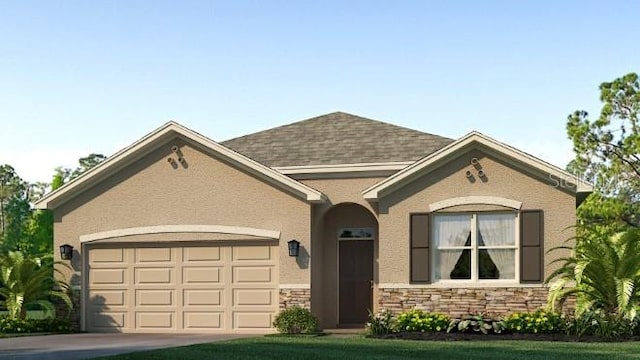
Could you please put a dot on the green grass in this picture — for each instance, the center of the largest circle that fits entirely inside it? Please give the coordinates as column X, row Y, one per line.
column 332, row 347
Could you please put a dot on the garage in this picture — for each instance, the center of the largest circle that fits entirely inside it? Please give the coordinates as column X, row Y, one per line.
column 204, row 287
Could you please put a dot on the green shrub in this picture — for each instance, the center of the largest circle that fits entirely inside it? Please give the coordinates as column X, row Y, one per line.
column 418, row 320
column 296, row 320
column 25, row 326
column 476, row 323
column 536, row 322
column 380, row 323
column 597, row 323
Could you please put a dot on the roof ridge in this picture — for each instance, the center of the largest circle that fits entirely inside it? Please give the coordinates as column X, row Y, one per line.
column 328, row 115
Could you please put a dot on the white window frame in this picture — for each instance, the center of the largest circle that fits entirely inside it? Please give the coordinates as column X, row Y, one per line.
column 474, row 251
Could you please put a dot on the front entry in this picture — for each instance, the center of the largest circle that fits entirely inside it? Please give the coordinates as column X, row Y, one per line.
column 355, row 281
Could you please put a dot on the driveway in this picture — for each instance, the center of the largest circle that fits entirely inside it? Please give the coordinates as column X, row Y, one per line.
column 85, row 346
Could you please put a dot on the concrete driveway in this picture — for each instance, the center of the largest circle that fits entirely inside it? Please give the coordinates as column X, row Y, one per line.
column 86, row 346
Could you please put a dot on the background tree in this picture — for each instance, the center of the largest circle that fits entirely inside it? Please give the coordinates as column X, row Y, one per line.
column 14, row 207
column 608, row 154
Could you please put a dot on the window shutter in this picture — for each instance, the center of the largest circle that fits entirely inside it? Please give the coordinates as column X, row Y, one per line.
column 420, row 266
column 531, row 246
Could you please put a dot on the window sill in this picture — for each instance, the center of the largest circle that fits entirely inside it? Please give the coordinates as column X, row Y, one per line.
column 460, row 285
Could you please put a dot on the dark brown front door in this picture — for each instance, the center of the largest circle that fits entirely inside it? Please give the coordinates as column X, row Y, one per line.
column 355, row 279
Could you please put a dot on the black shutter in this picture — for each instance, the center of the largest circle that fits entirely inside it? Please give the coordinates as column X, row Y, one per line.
column 531, row 246
column 420, row 266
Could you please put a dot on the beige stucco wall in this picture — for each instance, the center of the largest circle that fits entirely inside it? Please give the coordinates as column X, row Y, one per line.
column 207, row 192
column 502, row 180
column 325, row 224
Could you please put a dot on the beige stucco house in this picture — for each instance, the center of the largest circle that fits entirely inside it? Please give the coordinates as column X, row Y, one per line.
column 179, row 233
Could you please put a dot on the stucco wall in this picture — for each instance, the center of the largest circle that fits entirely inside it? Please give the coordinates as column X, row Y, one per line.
column 207, row 191
column 502, row 180
column 324, row 292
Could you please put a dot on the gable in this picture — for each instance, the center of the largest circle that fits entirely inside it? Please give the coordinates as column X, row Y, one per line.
column 516, row 159
column 151, row 142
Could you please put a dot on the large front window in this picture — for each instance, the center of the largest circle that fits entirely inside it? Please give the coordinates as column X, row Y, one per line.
column 473, row 247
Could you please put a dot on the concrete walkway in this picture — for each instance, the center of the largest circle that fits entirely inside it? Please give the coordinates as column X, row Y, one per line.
column 86, row 346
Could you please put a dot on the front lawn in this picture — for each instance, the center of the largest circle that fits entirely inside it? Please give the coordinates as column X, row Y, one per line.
column 335, row 347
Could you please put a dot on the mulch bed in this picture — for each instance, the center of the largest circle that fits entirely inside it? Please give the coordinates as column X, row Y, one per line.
column 443, row 336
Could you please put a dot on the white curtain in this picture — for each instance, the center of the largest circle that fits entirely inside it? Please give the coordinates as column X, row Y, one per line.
column 450, row 231
column 499, row 230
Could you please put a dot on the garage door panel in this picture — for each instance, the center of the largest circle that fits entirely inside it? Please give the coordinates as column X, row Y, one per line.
column 253, row 274
column 252, row 320
column 107, row 320
column 200, row 254
column 202, row 275
column 203, row 297
column 253, row 297
column 153, row 255
column 107, row 298
column 107, row 255
column 244, row 253
column 203, row 320
column 108, row 276
column 153, row 275
column 176, row 287
column 155, row 297
column 155, row 320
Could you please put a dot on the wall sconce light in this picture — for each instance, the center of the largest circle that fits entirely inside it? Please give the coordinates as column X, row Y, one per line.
column 66, row 252
column 294, row 247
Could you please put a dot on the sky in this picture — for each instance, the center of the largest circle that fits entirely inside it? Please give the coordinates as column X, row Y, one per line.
column 80, row 77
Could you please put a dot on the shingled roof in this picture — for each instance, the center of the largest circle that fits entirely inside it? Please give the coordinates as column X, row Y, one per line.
column 336, row 138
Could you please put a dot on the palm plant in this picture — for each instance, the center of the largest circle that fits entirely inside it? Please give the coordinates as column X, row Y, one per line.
column 603, row 274
column 26, row 281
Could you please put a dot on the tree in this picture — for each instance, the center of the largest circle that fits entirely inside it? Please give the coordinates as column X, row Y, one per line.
column 608, row 154
column 14, row 207
column 28, row 281
column 86, row 163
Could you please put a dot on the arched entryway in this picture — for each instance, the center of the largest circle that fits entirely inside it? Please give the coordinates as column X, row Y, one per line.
column 349, row 242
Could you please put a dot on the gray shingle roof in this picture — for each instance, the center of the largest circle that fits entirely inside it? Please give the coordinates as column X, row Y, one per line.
column 336, row 138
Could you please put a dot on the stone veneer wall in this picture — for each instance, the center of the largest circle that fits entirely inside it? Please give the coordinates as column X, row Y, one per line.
column 293, row 297
column 459, row 302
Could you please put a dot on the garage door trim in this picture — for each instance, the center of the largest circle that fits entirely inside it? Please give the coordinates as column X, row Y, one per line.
column 170, row 229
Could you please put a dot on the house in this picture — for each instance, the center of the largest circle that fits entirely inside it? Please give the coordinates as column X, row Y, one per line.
column 179, row 233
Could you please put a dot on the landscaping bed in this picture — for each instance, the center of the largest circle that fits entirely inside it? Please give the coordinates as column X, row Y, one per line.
column 457, row 336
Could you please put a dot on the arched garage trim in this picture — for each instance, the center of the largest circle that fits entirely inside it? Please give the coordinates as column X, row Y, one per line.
column 168, row 229
column 473, row 200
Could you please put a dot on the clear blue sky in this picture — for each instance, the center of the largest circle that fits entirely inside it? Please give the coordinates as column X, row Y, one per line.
column 93, row 76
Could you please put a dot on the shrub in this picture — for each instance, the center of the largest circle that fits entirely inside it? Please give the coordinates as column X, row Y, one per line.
column 536, row 322
column 380, row 323
column 23, row 326
column 598, row 323
column 296, row 320
column 476, row 323
column 418, row 320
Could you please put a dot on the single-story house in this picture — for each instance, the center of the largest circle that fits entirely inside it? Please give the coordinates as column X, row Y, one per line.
column 179, row 233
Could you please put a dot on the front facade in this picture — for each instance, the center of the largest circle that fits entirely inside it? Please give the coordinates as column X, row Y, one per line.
column 178, row 233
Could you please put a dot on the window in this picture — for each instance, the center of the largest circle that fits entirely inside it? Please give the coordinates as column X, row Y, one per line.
column 475, row 247
column 356, row 234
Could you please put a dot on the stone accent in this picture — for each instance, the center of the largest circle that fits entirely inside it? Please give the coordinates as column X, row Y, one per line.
column 63, row 312
column 459, row 302
column 295, row 297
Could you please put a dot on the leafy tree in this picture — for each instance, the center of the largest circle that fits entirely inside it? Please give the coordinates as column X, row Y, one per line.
column 14, row 207
column 608, row 154
column 86, row 163
column 603, row 273
column 28, row 281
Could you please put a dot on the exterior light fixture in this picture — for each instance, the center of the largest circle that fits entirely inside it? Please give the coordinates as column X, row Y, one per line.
column 66, row 252
column 294, row 247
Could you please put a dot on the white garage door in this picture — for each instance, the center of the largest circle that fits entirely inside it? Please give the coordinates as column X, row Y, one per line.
column 178, row 287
